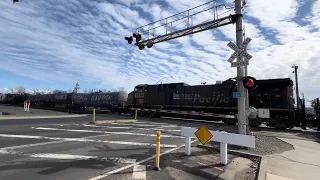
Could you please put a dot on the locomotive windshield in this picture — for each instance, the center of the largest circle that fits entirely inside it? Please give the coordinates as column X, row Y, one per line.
column 140, row 88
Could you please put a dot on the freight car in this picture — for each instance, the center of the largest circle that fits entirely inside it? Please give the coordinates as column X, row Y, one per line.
column 215, row 102
column 113, row 101
column 7, row 98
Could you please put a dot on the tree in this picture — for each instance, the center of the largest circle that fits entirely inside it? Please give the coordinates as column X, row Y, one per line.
column 21, row 90
column 35, row 91
column 76, row 88
column 85, row 90
column 56, row 91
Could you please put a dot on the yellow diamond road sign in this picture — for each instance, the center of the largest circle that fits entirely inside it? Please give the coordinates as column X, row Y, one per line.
column 203, row 134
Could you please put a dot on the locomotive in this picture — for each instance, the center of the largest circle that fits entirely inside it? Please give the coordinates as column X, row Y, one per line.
column 216, row 102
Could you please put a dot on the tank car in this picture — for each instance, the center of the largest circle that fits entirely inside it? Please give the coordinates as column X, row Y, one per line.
column 62, row 100
column 35, row 99
column 79, row 100
column 114, row 101
column 7, row 98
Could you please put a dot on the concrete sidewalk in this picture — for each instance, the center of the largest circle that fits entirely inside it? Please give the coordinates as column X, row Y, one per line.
column 299, row 164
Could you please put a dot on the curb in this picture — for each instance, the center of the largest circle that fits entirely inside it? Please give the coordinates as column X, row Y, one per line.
column 261, row 173
column 41, row 117
column 111, row 121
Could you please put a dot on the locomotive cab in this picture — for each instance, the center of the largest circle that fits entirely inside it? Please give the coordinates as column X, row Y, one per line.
column 139, row 94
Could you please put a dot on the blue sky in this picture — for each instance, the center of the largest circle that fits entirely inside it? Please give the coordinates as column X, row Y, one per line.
column 53, row 44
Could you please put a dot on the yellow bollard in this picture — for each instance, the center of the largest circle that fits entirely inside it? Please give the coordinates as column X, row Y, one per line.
column 157, row 168
column 94, row 115
column 135, row 114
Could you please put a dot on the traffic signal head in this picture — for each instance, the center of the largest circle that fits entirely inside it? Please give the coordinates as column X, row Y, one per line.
column 141, row 47
column 129, row 39
column 149, row 44
column 249, row 83
column 137, row 36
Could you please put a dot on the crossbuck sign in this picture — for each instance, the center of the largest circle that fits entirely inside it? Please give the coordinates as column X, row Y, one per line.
column 239, row 52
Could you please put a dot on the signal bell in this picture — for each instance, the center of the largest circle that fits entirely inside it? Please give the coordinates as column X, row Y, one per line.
column 249, row 83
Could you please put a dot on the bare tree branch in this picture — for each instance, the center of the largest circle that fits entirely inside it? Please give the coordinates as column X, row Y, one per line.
column 76, row 88
column 20, row 90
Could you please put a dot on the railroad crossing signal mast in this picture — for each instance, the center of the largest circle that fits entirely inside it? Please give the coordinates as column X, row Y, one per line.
column 145, row 36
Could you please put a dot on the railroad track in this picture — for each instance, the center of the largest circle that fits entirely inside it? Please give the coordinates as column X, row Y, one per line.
column 89, row 110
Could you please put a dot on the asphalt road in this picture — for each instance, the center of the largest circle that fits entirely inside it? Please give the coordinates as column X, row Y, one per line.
column 67, row 148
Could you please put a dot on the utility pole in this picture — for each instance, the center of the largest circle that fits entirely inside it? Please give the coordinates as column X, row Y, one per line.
column 297, row 88
column 240, row 73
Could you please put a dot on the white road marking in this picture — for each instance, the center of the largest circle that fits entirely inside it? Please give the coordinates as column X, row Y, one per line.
column 142, row 125
column 197, row 120
column 106, row 132
column 30, row 145
column 146, row 122
column 71, row 130
column 173, row 130
column 53, row 142
column 83, row 140
column 71, row 157
column 137, row 163
column 139, row 172
column 114, row 127
column 42, row 117
column 127, row 127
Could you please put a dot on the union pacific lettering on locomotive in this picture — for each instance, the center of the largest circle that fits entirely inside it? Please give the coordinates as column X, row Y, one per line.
column 210, row 102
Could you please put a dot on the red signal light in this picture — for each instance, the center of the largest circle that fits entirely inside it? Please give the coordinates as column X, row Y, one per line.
column 249, row 83
column 137, row 36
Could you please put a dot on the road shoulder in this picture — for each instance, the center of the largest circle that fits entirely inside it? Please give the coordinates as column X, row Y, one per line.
column 298, row 164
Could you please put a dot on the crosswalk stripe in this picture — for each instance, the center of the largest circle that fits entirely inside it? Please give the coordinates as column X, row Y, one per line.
column 106, row 132
column 70, row 157
column 84, row 140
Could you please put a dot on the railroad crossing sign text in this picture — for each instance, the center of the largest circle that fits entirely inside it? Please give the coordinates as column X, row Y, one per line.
column 239, row 52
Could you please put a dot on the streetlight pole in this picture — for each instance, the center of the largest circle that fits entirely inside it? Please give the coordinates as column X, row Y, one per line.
column 297, row 87
column 240, row 72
